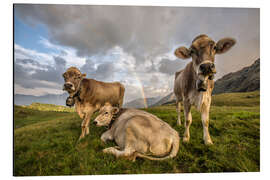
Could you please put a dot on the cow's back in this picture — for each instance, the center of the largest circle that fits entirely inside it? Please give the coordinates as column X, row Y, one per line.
column 97, row 92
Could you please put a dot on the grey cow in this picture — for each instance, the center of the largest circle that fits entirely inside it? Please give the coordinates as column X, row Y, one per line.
column 194, row 84
column 137, row 134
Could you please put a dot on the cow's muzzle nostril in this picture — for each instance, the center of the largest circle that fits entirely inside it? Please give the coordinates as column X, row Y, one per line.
column 95, row 122
column 202, row 67
column 68, row 85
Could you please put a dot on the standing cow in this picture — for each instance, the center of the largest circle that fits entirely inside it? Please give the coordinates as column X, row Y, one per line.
column 89, row 95
column 194, row 84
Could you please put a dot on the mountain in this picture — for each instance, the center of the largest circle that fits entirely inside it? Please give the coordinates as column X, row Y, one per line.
column 139, row 103
column 167, row 99
column 244, row 80
column 20, row 99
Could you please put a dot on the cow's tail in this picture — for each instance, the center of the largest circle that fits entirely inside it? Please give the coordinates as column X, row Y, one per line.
column 121, row 95
column 177, row 74
column 173, row 152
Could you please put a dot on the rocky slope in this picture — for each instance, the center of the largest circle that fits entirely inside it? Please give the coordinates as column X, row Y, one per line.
column 244, row 80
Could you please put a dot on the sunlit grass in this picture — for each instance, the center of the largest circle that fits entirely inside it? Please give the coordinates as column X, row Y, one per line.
column 46, row 142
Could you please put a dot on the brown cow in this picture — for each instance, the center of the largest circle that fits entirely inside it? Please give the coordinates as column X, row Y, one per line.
column 194, row 84
column 89, row 95
column 137, row 134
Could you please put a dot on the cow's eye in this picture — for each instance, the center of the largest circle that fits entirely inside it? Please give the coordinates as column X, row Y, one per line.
column 192, row 51
column 215, row 48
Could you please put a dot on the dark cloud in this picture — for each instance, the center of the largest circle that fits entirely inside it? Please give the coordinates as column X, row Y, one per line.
column 53, row 73
column 144, row 31
column 102, row 72
column 171, row 66
column 30, row 73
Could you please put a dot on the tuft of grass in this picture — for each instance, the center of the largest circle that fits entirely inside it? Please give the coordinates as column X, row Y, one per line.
column 46, row 143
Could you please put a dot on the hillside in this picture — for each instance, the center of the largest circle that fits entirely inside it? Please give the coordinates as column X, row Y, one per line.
column 244, row 80
column 139, row 103
column 167, row 99
column 45, row 142
column 20, row 99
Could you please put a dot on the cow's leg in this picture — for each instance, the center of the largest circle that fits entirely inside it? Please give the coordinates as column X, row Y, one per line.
column 205, row 123
column 178, row 109
column 106, row 136
column 127, row 152
column 188, row 121
column 85, row 123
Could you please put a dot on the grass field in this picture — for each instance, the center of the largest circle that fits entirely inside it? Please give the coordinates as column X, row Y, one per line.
column 45, row 141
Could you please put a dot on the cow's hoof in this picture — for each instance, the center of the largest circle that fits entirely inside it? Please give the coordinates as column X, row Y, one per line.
column 108, row 150
column 81, row 137
column 185, row 139
column 208, row 142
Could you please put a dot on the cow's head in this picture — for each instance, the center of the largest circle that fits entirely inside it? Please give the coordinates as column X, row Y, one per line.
column 202, row 51
column 106, row 114
column 72, row 77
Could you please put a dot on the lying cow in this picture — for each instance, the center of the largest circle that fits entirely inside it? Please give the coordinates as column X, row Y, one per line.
column 194, row 84
column 137, row 134
column 89, row 95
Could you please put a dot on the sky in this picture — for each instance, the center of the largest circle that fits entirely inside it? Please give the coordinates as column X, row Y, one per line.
column 130, row 44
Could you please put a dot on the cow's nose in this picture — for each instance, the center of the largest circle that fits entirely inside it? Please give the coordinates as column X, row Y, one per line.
column 67, row 85
column 207, row 68
column 203, row 67
column 95, row 122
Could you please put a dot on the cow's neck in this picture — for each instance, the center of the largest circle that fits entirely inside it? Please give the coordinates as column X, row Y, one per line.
column 115, row 118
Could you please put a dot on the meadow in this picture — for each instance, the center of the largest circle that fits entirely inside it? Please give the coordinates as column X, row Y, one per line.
column 45, row 141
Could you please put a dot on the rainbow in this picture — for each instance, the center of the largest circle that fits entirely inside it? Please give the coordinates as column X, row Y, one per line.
column 141, row 89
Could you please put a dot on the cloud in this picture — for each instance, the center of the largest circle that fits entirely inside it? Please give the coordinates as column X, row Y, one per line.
column 170, row 67
column 23, row 53
column 130, row 43
column 38, row 91
column 100, row 72
column 31, row 74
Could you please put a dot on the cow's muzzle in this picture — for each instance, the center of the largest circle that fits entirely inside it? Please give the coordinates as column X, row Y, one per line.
column 201, row 85
column 207, row 68
column 69, row 86
column 95, row 123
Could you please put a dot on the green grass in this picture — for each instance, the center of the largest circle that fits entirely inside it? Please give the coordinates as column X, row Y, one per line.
column 46, row 142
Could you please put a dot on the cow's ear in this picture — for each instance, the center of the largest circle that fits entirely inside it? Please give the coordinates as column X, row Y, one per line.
column 115, row 110
column 224, row 45
column 83, row 75
column 182, row 52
